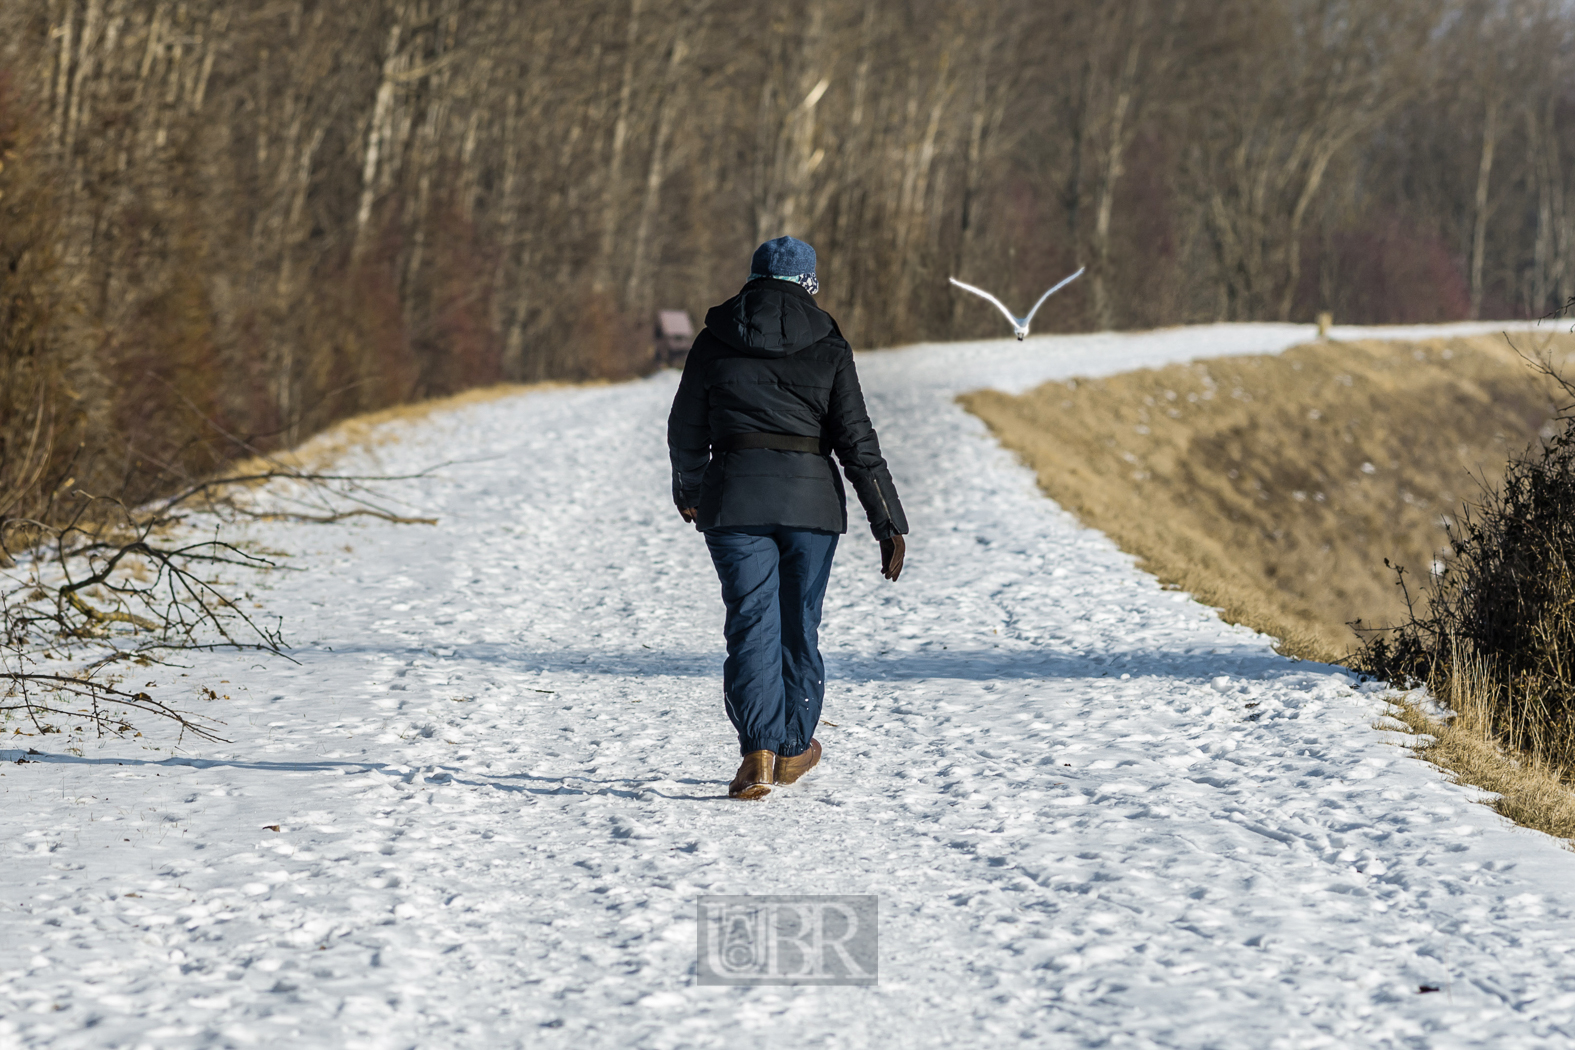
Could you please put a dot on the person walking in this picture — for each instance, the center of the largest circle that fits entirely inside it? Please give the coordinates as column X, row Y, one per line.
column 768, row 393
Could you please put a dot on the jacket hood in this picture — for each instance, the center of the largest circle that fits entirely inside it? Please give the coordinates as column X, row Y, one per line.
column 770, row 318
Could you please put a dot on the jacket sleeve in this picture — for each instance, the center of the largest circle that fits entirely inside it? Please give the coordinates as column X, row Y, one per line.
column 689, row 431
column 853, row 438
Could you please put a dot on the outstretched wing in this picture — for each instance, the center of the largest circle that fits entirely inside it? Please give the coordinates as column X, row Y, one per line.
column 981, row 293
column 1051, row 292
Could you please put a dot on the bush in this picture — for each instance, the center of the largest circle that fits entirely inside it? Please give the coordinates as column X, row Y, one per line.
column 1494, row 634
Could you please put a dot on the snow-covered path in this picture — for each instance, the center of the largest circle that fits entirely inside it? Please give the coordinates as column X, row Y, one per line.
column 1094, row 814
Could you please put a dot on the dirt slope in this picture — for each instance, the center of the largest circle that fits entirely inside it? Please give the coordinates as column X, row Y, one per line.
column 1275, row 486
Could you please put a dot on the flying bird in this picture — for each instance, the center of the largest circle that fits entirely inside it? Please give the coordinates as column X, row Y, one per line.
column 1019, row 324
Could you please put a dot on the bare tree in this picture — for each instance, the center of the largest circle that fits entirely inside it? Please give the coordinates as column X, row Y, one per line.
column 274, row 215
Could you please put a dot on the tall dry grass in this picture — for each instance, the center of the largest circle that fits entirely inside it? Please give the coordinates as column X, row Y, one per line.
column 1275, row 487
column 371, row 429
column 1495, row 633
column 39, row 386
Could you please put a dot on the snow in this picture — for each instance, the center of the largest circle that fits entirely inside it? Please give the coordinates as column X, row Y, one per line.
column 1094, row 814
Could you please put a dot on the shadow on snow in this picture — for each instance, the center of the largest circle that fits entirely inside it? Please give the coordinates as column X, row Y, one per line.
column 436, row 775
column 1008, row 661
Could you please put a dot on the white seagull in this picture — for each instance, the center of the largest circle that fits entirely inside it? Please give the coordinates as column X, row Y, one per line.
column 1019, row 324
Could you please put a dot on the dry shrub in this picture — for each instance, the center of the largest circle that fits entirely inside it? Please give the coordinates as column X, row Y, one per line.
column 1495, row 632
column 49, row 388
column 358, row 357
column 1275, row 487
column 116, row 390
column 164, row 369
column 459, row 345
column 1395, row 274
column 607, row 342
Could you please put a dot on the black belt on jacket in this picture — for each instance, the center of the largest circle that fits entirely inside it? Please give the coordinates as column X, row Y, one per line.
column 777, row 442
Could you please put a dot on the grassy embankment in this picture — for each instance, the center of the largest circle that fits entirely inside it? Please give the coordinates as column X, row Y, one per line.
column 1275, row 487
column 320, row 451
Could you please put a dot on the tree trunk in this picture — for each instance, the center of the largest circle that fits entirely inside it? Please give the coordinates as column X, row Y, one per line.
column 612, row 191
column 1110, row 174
column 1293, row 247
column 656, row 173
column 1479, row 230
column 378, row 132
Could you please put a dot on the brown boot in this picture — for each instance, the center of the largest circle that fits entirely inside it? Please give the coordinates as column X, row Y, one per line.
column 753, row 779
column 790, row 768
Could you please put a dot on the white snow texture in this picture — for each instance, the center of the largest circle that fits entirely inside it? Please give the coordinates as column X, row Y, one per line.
column 1094, row 814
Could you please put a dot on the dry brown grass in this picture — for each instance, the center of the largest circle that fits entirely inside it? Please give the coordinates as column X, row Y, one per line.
column 321, row 450
column 1274, row 487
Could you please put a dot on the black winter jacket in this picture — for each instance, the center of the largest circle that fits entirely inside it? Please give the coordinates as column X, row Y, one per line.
column 770, row 361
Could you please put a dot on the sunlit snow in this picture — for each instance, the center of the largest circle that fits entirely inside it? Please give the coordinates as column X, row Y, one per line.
column 1094, row 814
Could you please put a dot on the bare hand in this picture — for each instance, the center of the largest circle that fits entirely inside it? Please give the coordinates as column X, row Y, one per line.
column 689, row 513
column 891, row 552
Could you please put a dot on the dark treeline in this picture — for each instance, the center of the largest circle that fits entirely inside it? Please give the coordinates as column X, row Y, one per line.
column 225, row 223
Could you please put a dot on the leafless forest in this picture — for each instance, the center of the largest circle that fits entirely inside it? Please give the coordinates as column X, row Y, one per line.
column 226, row 223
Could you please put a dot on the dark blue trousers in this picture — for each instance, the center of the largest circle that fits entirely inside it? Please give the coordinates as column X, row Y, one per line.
column 774, row 681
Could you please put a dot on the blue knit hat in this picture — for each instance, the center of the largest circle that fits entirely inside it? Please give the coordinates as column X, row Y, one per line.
column 786, row 259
